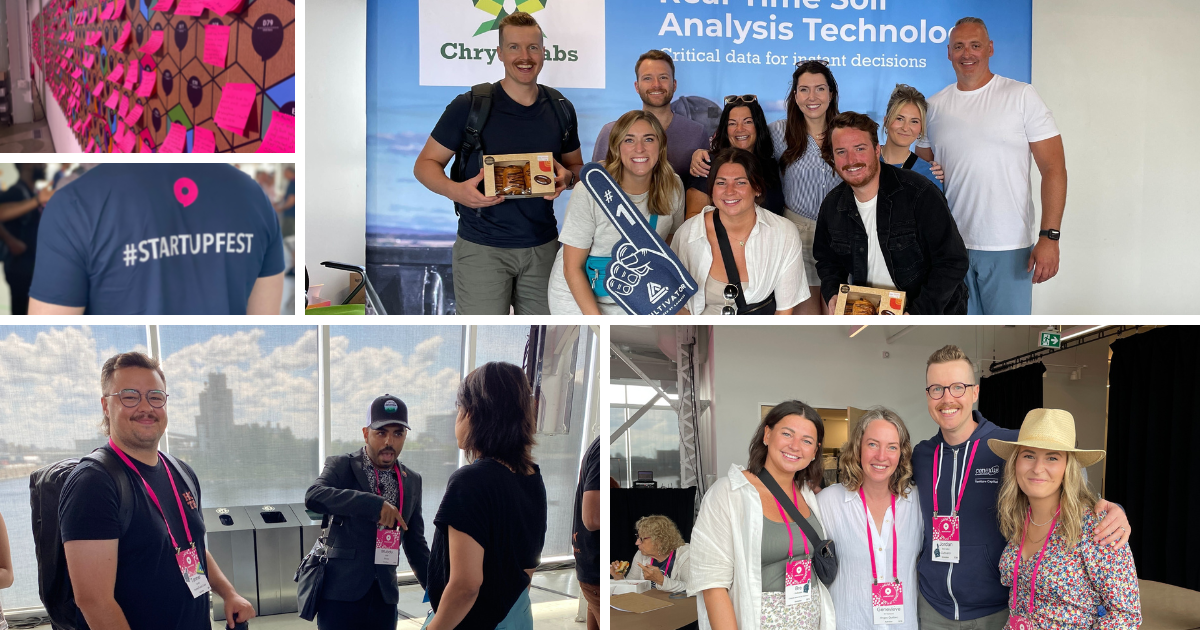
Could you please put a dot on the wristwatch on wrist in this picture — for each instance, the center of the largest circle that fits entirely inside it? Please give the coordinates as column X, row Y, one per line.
column 1053, row 235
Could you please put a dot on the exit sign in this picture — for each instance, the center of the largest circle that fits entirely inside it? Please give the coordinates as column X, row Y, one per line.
column 1050, row 340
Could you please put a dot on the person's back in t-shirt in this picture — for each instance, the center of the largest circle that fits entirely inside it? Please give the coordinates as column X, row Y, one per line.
column 157, row 239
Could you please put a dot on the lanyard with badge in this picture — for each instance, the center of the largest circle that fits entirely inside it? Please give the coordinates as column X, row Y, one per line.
column 1024, row 622
column 387, row 540
column 945, row 528
column 187, row 559
column 797, row 575
column 887, row 599
column 666, row 568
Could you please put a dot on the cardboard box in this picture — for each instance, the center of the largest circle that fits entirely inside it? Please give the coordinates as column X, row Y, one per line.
column 518, row 175
column 883, row 301
column 616, row 587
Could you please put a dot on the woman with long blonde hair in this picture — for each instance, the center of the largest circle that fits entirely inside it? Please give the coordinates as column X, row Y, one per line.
column 874, row 516
column 637, row 160
column 1058, row 574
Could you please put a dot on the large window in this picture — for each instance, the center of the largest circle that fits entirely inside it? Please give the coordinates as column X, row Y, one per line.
column 650, row 444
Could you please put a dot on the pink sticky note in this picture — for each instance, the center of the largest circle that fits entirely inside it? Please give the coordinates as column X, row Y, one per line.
column 146, row 88
column 190, row 7
column 88, row 60
column 163, row 5
column 153, row 43
column 237, row 100
column 119, row 11
column 224, row 7
column 108, row 11
column 128, row 142
column 216, row 44
column 95, row 14
column 117, row 72
column 134, row 116
column 93, row 38
column 91, row 147
column 176, row 137
column 70, row 53
column 123, row 40
column 111, row 103
column 77, row 73
column 99, row 88
column 203, row 140
column 281, row 135
column 131, row 75
column 124, row 109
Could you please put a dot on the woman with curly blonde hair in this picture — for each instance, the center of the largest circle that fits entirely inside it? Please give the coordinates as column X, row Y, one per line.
column 662, row 556
column 874, row 516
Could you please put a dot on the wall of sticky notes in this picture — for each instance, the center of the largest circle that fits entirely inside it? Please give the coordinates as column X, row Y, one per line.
column 171, row 76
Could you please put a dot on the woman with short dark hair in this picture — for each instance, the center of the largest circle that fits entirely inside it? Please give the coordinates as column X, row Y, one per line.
column 491, row 524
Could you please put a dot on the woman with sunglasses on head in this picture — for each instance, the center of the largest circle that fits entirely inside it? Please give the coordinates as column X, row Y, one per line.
column 637, row 160
column 747, row 260
column 742, row 125
column 904, row 124
column 752, row 558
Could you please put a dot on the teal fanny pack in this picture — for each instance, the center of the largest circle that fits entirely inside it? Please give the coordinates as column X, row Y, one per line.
column 596, row 266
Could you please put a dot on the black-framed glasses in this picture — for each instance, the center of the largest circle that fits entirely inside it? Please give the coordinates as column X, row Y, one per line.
column 132, row 398
column 730, row 293
column 956, row 390
column 744, row 98
column 801, row 64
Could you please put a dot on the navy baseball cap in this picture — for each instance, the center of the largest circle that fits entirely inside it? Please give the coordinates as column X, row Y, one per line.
column 385, row 410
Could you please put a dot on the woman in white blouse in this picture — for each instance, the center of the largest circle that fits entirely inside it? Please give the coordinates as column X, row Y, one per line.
column 744, row 542
column 662, row 556
column 875, row 465
column 765, row 248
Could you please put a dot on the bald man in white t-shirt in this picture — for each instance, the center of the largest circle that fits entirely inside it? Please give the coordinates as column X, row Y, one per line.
column 983, row 130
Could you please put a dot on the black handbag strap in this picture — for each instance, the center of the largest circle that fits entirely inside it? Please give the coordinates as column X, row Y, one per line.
column 731, row 270
column 793, row 511
column 910, row 162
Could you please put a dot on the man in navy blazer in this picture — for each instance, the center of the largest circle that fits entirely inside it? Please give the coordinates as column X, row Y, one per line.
column 373, row 499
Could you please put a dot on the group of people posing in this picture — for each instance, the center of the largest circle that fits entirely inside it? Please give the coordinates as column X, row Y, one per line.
column 978, row 527
column 767, row 218
column 133, row 536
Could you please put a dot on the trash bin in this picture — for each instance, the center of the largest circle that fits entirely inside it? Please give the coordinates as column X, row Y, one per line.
column 276, row 541
column 230, row 540
column 310, row 527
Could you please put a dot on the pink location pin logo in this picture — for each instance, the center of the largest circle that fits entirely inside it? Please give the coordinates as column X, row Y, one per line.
column 186, row 191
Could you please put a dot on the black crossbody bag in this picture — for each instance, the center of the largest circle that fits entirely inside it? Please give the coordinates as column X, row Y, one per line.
column 825, row 561
column 765, row 307
column 310, row 575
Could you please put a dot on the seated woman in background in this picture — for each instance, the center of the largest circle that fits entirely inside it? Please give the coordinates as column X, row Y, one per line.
column 747, row 260
column 637, row 160
column 1057, row 572
column 744, row 126
column 662, row 556
column 903, row 125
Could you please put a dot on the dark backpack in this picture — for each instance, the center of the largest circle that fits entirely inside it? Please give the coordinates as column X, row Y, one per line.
column 45, row 489
column 481, row 107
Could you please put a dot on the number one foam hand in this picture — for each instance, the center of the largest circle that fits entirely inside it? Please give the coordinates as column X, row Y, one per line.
column 644, row 276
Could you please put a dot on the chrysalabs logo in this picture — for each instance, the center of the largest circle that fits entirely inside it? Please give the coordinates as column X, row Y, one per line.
column 495, row 9
column 390, row 406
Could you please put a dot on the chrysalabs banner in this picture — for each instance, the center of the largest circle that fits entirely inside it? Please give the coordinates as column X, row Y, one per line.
column 422, row 53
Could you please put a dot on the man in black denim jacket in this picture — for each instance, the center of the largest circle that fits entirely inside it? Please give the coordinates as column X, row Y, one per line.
column 917, row 236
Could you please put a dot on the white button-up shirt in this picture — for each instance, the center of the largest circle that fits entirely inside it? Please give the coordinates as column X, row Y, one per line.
column 727, row 550
column 773, row 259
column 680, row 570
column 846, row 523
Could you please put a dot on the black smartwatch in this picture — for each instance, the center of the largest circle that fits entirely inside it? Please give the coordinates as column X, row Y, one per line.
column 1050, row 234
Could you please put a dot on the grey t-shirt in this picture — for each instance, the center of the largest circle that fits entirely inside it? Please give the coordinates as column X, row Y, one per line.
column 775, row 551
column 684, row 136
column 587, row 227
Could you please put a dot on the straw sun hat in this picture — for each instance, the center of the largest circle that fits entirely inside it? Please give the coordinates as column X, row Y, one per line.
column 1051, row 429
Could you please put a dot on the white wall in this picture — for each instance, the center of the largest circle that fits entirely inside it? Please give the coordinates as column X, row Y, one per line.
column 60, row 128
column 824, row 367
column 1122, row 81
column 335, row 217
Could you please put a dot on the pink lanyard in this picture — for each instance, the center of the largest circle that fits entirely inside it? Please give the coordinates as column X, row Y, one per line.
column 666, row 565
column 963, row 486
column 399, row 483
column 154, row 497
column 871, row 542
column 795, row 502
column 1017, row 562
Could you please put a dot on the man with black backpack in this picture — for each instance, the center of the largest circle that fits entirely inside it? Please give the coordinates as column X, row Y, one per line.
column 132, row 533
column 505, row 248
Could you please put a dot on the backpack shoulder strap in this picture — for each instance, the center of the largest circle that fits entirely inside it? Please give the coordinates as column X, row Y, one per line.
column 116, row 470
column 187, row 479
column 481, row 107
column 562, row 111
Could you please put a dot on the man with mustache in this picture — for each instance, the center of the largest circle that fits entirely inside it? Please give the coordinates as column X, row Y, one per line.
column 149, row 570
column 374, row 502
column 886, row 227
column 654, row 82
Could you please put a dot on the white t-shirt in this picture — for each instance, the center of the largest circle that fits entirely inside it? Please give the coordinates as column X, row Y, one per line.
column 877, row 271
column 981, row 138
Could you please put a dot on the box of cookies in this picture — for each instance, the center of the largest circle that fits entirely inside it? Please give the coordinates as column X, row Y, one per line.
column 518, row 175
column 855, row 300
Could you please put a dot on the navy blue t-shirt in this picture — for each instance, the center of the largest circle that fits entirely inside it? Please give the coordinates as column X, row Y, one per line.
column 140, row 239
column 584, row 543
column 510, row 128
column 149, row 588
column 25, row 229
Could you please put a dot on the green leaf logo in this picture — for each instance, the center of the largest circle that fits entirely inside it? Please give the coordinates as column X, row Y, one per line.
column 495, row 8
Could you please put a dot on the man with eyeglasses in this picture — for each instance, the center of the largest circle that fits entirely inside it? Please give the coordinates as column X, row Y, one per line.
column 654, row 82
column 959, row 478
column 152, row 571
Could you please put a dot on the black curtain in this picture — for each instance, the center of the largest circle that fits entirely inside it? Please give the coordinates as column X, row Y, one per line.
column 627, row 505
column 1006, row 397
column 1152, row 468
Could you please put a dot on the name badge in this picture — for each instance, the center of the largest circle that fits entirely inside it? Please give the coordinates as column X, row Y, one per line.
column 387, row 546
column 189, row 565
column 945, row 539
column 887, row 603
column 1019, row 623
column 797, row 582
